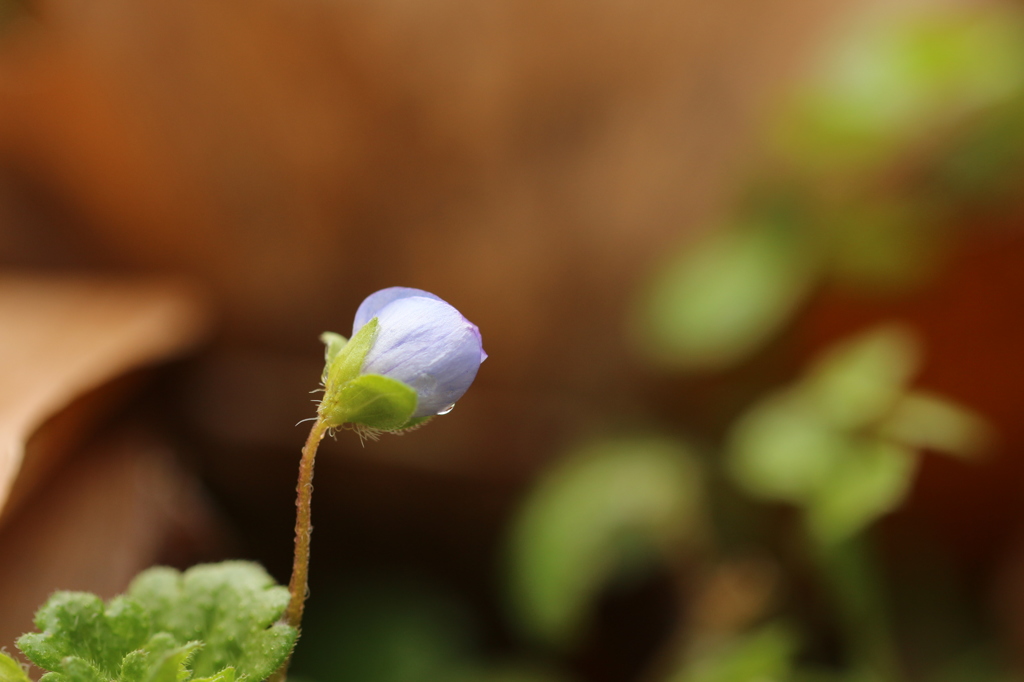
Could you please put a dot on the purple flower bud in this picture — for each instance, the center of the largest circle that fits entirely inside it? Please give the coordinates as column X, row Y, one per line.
column 424, row 343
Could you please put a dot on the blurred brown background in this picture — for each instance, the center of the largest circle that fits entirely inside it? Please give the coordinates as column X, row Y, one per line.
column 526, row 160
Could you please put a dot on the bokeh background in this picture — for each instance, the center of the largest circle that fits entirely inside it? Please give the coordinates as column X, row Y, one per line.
column 749, row 274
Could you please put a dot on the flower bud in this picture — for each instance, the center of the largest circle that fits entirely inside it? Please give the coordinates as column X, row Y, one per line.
column 411, row 357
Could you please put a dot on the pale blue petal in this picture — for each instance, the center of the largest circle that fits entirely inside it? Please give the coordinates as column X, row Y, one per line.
column 429, row 345
column 372, row 304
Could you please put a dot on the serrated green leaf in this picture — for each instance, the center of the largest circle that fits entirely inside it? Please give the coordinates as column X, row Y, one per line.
column 376, row 401
column 75, row 669
column 227, row 675
column 10, row 670
column 172, row 666
column 865, row 486
column 231, row 607
column 609, row 506
column 722, row 298
column 857, row 382
column 77, row 624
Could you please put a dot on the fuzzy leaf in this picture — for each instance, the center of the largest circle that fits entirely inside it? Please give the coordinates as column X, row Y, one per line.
column 231, row 607
column 76, row 669
column 226, row 675
column 79, row 625
column 10, row 670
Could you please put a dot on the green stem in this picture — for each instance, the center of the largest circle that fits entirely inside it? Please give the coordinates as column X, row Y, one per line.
column 298, row 586
column 858, row 596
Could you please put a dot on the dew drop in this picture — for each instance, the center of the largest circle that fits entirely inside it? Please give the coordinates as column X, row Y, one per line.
column 447, row 409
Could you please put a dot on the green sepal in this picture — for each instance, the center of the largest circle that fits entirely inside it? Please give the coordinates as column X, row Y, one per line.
column 416, row 422
column 334, row 343
column 10, row 670
column 376, row 401
column 343, row 366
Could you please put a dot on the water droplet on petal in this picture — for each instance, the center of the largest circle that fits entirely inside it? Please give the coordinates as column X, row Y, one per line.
column 447, row 409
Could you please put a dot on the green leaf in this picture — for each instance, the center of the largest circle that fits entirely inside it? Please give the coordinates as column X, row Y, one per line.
column 925, row 420
column 75, row 669
column 858, row 381
column 172, row 666
column 376, row 401
column 783, row 450
column 227, row 675
column 721, row 299
column 231, row 607
column 610, row 506
column 10, row 670
column 77, row 624
column 864, row 487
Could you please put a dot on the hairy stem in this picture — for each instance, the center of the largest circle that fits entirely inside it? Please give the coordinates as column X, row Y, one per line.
column 298, row 585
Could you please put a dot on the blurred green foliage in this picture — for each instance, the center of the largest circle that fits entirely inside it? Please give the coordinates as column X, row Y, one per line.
column 722, row 298
column 914, row 116
column 606, row 508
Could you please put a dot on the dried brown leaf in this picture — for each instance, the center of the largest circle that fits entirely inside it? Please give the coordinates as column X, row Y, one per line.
column 61, row 338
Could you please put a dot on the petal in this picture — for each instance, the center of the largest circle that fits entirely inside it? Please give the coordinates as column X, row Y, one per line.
column 373, row 303
column 429, row 345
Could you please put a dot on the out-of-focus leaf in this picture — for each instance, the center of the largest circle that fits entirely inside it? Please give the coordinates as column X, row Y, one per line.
column 869, row 483
column 782, row 449
column 232, row 607
column 821, row 444
column 720, row 299
column 764, row 655
column 895, row 78
column 607, row 506
column 10, row 670
column 857, row 382
column 925, row 420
